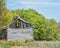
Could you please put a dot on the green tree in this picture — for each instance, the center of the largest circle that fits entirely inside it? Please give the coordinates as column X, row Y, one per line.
column 2, row 6
column 6, row 18
column 44, row 29
column 51, row 30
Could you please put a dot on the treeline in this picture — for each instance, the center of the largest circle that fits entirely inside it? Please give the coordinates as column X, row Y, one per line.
column 45, row 29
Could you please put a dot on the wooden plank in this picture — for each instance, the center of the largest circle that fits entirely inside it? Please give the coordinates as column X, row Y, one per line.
column 19, row 34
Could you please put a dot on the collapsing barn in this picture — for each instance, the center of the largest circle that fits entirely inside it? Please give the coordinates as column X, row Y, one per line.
column 18, row 29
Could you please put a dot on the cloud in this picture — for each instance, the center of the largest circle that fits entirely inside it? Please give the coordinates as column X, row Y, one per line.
column 41, row 3
column 11, row 4
column 32, row 2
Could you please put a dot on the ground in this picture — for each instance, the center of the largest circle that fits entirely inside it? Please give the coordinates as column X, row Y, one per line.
column 30, row 44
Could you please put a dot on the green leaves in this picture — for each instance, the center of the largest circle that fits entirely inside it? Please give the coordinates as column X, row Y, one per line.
column 2, row 6
column 44, row 29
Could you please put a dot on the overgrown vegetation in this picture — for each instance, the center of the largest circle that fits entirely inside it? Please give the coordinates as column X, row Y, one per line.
column 44, row 29
column 34, row 44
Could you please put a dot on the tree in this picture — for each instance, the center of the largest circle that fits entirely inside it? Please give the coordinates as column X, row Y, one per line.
column 58, row 30
column 2, row 6
column 6, row 17
column 44, row 29
column 51, row 30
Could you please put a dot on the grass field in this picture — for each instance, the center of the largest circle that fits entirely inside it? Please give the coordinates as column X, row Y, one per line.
column 30, row 44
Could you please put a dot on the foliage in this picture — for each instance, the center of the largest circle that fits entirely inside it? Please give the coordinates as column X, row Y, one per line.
column 2, row 6
column 34, row 44
column 44, row 29
column 58, row 30
column 6, row 18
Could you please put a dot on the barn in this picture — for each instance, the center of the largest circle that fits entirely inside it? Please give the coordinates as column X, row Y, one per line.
column 18, row 29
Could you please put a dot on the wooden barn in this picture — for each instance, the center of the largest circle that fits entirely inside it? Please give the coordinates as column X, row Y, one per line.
column 18, row 29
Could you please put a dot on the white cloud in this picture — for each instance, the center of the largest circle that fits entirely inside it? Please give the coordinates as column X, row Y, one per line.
column 40, row 3
column 46, row 3
column 11, row 4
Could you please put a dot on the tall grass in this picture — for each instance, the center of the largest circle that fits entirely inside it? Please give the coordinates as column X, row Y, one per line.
column 29, row 44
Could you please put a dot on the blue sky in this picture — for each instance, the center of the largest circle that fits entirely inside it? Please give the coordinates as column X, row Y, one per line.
column 49, row 8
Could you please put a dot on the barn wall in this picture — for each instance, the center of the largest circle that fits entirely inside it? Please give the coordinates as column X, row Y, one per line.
column 19, row 34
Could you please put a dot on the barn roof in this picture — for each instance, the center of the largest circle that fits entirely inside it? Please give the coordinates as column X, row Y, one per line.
column 17, row 18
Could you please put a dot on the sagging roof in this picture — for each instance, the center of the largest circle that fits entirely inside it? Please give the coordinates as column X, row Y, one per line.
column 18, row 18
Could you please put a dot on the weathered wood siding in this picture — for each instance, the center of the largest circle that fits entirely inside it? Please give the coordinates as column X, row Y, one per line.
column 19, row 34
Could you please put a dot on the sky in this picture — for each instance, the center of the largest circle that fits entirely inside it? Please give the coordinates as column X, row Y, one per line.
column 49, row 8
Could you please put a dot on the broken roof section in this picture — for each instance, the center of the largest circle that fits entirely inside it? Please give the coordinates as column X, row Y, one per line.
column 19, row 23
